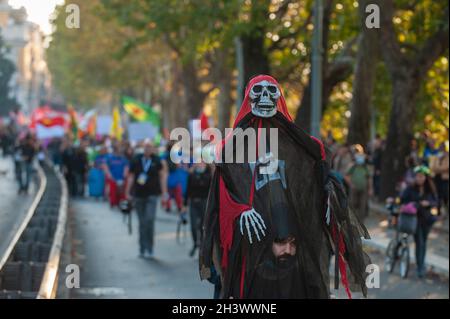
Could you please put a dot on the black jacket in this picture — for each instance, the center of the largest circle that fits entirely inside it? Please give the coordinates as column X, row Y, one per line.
column 198, row 185
column 412, row 194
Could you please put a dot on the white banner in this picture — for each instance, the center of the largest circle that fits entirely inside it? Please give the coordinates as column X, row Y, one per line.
column 44, row 132
column 104, row 123
column 139, row 131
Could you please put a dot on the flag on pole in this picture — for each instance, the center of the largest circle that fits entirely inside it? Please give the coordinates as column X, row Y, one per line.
column 38, row 114
column 204, row 121
column 198, row 125
column 92, row 126
column 116, row 128
column 73, row 123
column 48, row 123
column 88, row 123
column 56, row 120
column 140, row 112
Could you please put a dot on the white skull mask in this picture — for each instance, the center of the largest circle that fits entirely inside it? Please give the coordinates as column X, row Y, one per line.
column 264, row 96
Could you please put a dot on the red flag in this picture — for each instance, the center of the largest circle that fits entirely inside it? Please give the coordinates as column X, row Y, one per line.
column 54, row 120
column 47, row 117
column 38, row 114
column 204, row 121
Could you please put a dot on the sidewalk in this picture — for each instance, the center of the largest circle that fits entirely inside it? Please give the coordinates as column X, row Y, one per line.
column 437, row 247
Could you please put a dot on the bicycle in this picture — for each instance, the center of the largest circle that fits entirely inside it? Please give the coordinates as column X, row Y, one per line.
column 182, row 232
column 404, row 220
column 398, row 250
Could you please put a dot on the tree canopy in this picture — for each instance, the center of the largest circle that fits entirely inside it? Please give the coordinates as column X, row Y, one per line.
column 181, row 50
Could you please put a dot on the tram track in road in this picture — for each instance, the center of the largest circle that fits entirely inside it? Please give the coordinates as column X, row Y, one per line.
column 29, row 266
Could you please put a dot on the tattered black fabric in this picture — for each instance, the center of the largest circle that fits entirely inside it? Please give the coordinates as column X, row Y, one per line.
column 302, row 200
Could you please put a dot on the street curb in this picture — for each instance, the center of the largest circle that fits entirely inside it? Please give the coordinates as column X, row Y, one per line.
column 437, row 264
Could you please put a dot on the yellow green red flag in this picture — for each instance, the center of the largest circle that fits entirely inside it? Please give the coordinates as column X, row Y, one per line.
column 140, row 112
column 73, row 123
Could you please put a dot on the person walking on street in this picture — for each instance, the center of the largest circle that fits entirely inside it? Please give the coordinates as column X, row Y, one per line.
column 340, row 163
column 100, row 158
column 376, row 162
column 176, row 184
column 147, row 180
column 116, row 169
column 429, row 150
column 264, row 230
column 423, row 194
column 67, row 161
column 440, row 169
column 24, row 156
column 7, row 138
column 80, row 167
column 198, row 184
column 54, row 150
column 409, row 177
column 358, row 179
column 414, row 153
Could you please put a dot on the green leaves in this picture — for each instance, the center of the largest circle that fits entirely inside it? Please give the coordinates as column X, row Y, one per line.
column 135, row 45
column 7, row 69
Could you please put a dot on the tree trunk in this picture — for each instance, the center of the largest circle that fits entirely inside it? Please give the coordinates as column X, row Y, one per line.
column 363, row 84
column 256, row 60
column 221, row 74
column 303, row 118
column 178, row 111
column 400, row 133
column 225, row 102
column 407, row 72
column 255, row 54
column 194, row 97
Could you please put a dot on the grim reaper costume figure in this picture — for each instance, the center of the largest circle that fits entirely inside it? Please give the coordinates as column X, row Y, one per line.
column 272, row 233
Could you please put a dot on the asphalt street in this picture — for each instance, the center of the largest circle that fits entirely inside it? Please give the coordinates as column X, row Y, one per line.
column 109, row 262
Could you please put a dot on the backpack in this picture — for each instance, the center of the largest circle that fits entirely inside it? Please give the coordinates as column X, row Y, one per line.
column 358, row 175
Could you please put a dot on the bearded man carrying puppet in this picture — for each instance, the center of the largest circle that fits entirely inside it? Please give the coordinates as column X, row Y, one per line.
column 273, row 224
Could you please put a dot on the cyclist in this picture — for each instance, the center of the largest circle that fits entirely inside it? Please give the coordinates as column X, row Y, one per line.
column 423, row 194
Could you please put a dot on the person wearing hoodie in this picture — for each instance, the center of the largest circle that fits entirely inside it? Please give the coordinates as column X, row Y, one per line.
column 358, row 179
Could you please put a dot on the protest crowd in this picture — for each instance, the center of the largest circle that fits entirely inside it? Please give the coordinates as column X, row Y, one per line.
column 127, row 174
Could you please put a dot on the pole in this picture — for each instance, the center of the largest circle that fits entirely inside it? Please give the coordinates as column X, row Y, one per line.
column 240, row 68
column 373, row 123
column 317, row 52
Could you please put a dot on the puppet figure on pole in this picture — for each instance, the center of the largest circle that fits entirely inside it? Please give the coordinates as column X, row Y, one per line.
column 274, row 221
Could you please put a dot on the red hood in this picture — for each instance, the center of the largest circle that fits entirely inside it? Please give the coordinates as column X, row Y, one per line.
column 247, row 108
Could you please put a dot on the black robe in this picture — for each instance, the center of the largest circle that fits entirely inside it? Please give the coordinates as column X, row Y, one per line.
column 298, row 193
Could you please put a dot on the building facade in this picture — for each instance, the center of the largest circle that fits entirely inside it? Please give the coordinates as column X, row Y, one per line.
column 30, row 84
